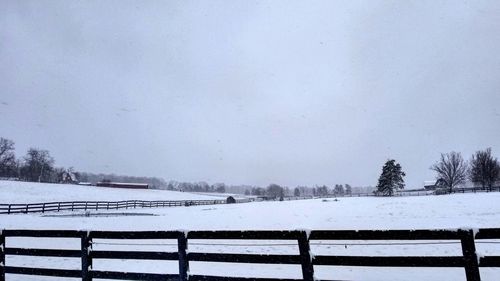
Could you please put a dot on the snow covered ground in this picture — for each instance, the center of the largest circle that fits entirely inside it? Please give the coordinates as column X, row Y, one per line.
column 423, row 212
column 29, row 192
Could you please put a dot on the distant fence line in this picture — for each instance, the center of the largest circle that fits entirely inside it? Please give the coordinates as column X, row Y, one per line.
column 418, row 192
column 131, row 204
column 89, row 256
column 104, row 205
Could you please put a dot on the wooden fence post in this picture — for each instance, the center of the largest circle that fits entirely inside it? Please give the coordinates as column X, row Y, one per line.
column 2, row 256
column 305, row 257
column 86, row 242
column 8, row 211
column 470, row 257
column 182, row 245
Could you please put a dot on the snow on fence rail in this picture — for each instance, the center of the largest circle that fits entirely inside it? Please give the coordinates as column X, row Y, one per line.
column 103, row 205
column 469, row 260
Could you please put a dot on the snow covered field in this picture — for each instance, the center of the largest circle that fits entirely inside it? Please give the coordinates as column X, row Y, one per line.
column 423, row 212
column 29, row 192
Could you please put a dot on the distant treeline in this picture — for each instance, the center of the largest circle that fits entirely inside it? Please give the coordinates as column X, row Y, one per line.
column 452, row 171
column 38, row 166
column 272, row 190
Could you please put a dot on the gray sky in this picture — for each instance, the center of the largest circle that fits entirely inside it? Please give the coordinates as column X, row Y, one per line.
column 292, row 92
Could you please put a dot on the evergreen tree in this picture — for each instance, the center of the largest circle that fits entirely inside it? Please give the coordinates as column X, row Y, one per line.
column 296, row 192
column 348, row 189
column 391, row 178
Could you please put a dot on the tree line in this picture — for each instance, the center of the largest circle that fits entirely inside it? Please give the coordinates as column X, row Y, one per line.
column 276, row 191
column 483, row 170
column 36, row 165
column 39, row 166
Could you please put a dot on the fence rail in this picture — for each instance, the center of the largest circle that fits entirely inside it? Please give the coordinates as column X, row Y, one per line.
column 466, row 237
column 103, row 205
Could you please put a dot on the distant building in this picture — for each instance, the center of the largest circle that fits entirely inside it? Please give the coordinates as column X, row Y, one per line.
column 123, row 185
column 68, row 177
column 432, row 185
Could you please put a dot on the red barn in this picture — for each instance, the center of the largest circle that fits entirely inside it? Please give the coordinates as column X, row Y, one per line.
column 123, row 185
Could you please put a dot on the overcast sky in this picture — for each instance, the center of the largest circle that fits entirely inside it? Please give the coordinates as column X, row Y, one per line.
column 251, row 92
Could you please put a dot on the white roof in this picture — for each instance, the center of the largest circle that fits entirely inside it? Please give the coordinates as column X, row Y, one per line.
column 430, row 182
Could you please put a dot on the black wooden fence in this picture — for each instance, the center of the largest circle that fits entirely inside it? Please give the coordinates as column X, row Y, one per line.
column 469, row 260
column 102, row 205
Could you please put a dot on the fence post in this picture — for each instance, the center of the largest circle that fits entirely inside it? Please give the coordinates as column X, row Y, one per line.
column 182, row 245
column 305, row 257
column 8, row 211
column 27, row 207
column 86, row 256
column 58, row 206
column 2, row 256
column 470, row 257
column 43, row 208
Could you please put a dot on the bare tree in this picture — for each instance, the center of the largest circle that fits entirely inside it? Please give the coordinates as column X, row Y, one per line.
column 7, row 158
column 304, row 190
column 275, row 191
column 451, row 169
column 38, row 165
column 220, row 187
column 258, row 191
column 322, row 190
column 484, row 169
